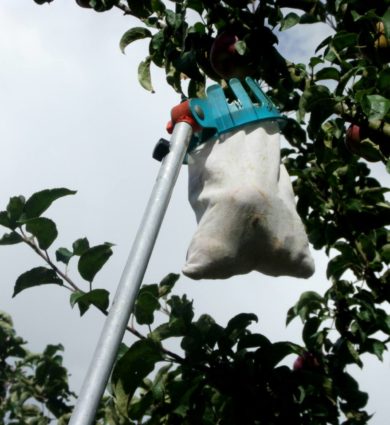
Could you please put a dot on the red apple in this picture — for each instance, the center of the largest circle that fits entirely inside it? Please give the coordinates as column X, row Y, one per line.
column 353, row 139
column 224, row 58
column 361, row 142
column 306, row 361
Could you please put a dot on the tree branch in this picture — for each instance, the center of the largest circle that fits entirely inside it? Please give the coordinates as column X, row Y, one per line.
column 47, row 259
column 377, row 125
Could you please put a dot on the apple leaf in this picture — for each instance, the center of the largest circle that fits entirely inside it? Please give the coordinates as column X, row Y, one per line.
column 4, row 219
column 132, row 368
column 386, row 23
column 289, row 21
column 375, row 106
column 15, row 209
column 11, row 238
column 97, row 297
column 328, row 73
column 240, row 47
column 39, row 202
column 64, row 255
column 35, row 277
column 93, row 260
column 166, row 285
column 146, row 304
column 133, row 34
column 43, row 229
column 80, row 246
column 144, row 74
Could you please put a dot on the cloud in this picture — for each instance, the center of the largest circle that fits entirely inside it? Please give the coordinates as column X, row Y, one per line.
column 298, row 43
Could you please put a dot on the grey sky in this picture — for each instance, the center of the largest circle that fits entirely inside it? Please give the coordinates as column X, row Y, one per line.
column 73, row 115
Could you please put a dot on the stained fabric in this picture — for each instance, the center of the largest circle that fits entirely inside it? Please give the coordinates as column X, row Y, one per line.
column 245, row 208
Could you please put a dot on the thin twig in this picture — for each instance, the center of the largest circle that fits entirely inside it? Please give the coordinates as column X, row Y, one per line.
column 44, row 255
column 47, row 259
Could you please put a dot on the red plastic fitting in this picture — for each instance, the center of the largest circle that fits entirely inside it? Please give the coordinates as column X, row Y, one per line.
column 182, row 113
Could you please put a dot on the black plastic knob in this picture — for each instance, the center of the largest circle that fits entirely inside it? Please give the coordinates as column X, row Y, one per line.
column 161, row 149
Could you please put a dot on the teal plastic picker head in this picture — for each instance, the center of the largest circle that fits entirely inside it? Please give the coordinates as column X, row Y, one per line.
column 251, row 105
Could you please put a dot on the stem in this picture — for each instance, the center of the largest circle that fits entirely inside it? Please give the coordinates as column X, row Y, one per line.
column 74, row 287
column 46, row 258
column 124, row 8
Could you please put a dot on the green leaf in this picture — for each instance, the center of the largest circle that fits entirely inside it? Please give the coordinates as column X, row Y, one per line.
column 133, row 34
column 279, row 350
column 139, row 408
column 93, row 260
column 337, row 266
column 167, row 284
column 132, row 368
column 253, row 341
column 384, row 82
column 313, row 98
column 158, row 6
column 146, row 304
column 11, row 238
column 35, row 277
column 328, row 73
column 354, row 354
column 141, row 9
column 39, row 202
column 240, row 47
column 187, row 64
column 375, row 106
column 97, row 297
column 102, row 5
column 4, row 219
column 144, row 76
column 173, row 77
column 64, row 255
column 174, row 20
column 175, row 328
column 238, row 324
column 289, row 21
column 386, row 23
column 196, row 89
column 375, row 346
column 15, row 209
column 43, row 229
column 181, row 308
column 309, row 302
column 344, row 39
column 385, row 253
column 309, row 332
column 80, row 246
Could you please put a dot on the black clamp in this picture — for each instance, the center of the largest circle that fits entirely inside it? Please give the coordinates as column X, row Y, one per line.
column 161, row 149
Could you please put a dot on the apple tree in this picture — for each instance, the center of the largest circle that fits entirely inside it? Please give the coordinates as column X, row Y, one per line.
column 338, row 104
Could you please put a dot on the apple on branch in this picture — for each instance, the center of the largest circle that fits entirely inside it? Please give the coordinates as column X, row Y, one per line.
column 306, row 361
column 361, row 142
column 227, row 58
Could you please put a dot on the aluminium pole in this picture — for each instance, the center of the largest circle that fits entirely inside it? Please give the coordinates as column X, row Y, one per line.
column 115, row 325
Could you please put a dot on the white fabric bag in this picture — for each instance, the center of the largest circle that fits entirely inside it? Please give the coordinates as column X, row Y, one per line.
column 245, row 208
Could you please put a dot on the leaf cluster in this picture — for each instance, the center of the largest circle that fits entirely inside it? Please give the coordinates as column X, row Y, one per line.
column 33, row 387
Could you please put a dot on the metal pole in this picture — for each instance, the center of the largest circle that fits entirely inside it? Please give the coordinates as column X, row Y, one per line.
column 105, row 354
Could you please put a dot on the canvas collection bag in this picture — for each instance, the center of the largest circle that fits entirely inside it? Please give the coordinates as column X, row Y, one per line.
column 245, row 208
